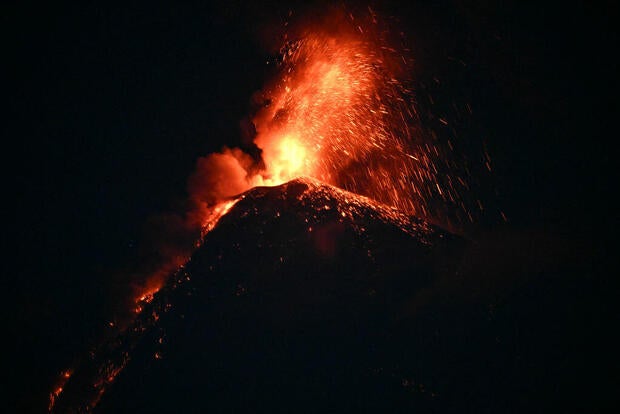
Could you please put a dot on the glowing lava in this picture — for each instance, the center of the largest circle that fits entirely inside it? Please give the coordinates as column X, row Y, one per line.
column 288, row 159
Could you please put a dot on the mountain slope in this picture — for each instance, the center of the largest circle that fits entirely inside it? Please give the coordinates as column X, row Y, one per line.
column 307, row 298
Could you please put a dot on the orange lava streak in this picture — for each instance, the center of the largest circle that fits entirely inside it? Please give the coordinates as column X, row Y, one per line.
column 58, row 389
column 215, row 214
column 209, row 218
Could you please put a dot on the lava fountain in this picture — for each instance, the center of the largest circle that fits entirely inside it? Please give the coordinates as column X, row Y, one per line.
column 341, row 109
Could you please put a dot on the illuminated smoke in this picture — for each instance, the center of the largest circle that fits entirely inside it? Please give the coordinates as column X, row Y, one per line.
column 220, row 176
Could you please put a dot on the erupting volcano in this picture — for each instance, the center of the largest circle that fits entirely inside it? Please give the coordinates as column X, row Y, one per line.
column 298, row 206
column 322, row 231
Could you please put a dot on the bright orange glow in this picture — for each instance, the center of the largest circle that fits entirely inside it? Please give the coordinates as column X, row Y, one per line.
column 287, row 160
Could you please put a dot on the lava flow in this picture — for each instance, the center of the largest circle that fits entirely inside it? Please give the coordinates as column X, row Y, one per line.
column 341, row 110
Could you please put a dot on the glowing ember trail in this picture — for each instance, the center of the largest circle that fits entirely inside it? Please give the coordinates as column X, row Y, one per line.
column 64, row 377
column 340, row 110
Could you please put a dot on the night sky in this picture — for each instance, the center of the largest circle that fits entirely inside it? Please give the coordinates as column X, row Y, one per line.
column 109, row 108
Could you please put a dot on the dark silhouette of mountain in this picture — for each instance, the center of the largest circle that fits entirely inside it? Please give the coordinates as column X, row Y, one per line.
column 306, row 298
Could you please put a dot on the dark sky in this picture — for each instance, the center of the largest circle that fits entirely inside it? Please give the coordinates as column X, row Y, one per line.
column 109, row 108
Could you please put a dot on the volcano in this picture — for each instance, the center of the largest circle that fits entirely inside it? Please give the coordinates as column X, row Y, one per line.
column 308, row 298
